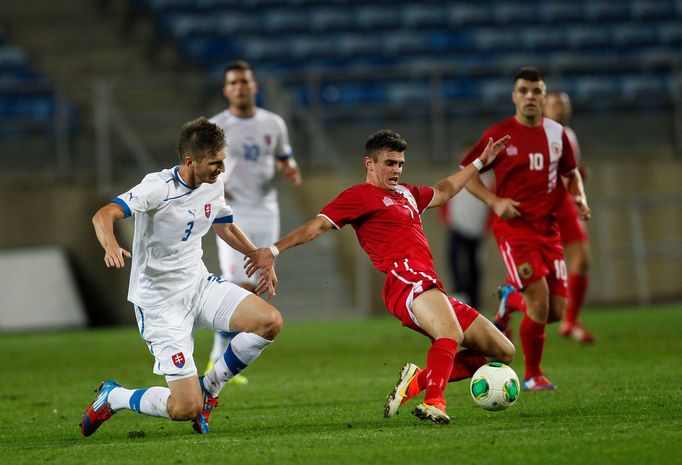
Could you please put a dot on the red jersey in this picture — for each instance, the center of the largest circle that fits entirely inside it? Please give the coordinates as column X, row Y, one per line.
column 528, row 171
column 387, row 223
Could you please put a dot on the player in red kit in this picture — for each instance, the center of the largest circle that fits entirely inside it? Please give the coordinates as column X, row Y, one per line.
column 385, row 215
column 525, row 202
column 574, row 235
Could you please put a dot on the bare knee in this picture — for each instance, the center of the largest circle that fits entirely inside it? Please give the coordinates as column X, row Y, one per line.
column 185, row 409
column 506, row 352
column 271, row 325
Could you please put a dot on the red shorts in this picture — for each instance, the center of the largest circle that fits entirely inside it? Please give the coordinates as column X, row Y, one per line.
column 530, row 258
column 572, row 228
column 405, row 282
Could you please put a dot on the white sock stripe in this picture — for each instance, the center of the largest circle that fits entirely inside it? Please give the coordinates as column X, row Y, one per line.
column 508, row 259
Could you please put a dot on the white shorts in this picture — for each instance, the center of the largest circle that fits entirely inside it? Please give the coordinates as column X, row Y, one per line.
column 262, row 230
column 169, row 330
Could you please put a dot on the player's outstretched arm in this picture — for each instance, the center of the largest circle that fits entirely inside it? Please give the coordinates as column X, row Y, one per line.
column 233, row 236
column 447, row 187
column 264, row 257
column 103, row 221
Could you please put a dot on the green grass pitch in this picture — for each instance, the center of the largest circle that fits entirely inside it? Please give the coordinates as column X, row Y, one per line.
column 316, row 397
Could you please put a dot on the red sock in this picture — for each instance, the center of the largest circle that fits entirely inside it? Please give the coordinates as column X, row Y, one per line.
column 577, row 288
column 533, row 343
column 439, row 360
column 516, row 302
column 465, row 365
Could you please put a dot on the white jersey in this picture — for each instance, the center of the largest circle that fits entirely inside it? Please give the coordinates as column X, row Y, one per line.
column 170, row 220
column 573, row 139
column 253, row 146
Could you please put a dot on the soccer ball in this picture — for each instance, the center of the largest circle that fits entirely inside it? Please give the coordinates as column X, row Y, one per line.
column 495, row 386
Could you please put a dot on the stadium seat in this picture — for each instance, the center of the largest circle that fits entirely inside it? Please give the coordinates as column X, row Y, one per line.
column 560, row 12
column 646, row 10
column 600, row 11
column 418, row 15
column 468, row 14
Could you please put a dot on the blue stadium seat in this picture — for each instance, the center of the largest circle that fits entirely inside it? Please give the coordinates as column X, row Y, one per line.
column 541, row 38
column 325, row 19
column 606, row 10
column 560, row 12
column 596, row 88
column 633, row 35
column 495, row 90
column 377, row 16
column 408, row 92
column 588, row 36
column 468, row 14
column 635, row 87
column 670, row 33
column 646, row 10
column 514, row 12
column 285, row 20
column 424, row 15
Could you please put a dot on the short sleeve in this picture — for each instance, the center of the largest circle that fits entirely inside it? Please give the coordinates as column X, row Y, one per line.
column 567, row 161
column 345, row 208
column 146, row 196
column 224, row 213
column 423, row 195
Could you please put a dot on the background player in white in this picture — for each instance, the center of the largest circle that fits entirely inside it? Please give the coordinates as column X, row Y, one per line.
column 171, row 289
column 259, row 146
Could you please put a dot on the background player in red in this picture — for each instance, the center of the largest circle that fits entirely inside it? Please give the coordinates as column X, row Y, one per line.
column 573, row 231
column 385, row 215
column 525, row 202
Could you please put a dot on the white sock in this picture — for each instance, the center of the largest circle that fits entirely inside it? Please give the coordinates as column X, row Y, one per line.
column 242, row 350
column 151, row 401
column 221, row 340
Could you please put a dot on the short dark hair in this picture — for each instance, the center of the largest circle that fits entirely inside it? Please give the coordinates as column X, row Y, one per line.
column 529, row 73
column 200, row 138
column 239, row 65
column 384, row 139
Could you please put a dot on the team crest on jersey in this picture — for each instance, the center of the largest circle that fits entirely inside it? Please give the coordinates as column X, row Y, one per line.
column 525, row 270
column 402, row 190
column 268, row 139
column 512, row 150
column 178, row 360
column 207, row 210
column 388, row 201
column 556, row 149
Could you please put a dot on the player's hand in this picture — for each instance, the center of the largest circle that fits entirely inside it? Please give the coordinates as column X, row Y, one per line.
column 267, row 283
column 583, row 208
column 259, row 259
column 292, row 174
column 113, row 257
column 492, row 149
column 506, row 208
column 290, row 171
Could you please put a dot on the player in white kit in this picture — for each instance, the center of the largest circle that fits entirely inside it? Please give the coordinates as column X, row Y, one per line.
column 171, row 289
column 259, row 147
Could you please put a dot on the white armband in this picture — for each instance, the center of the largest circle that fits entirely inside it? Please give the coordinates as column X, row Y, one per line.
column 478, row 164
column 275, row 251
